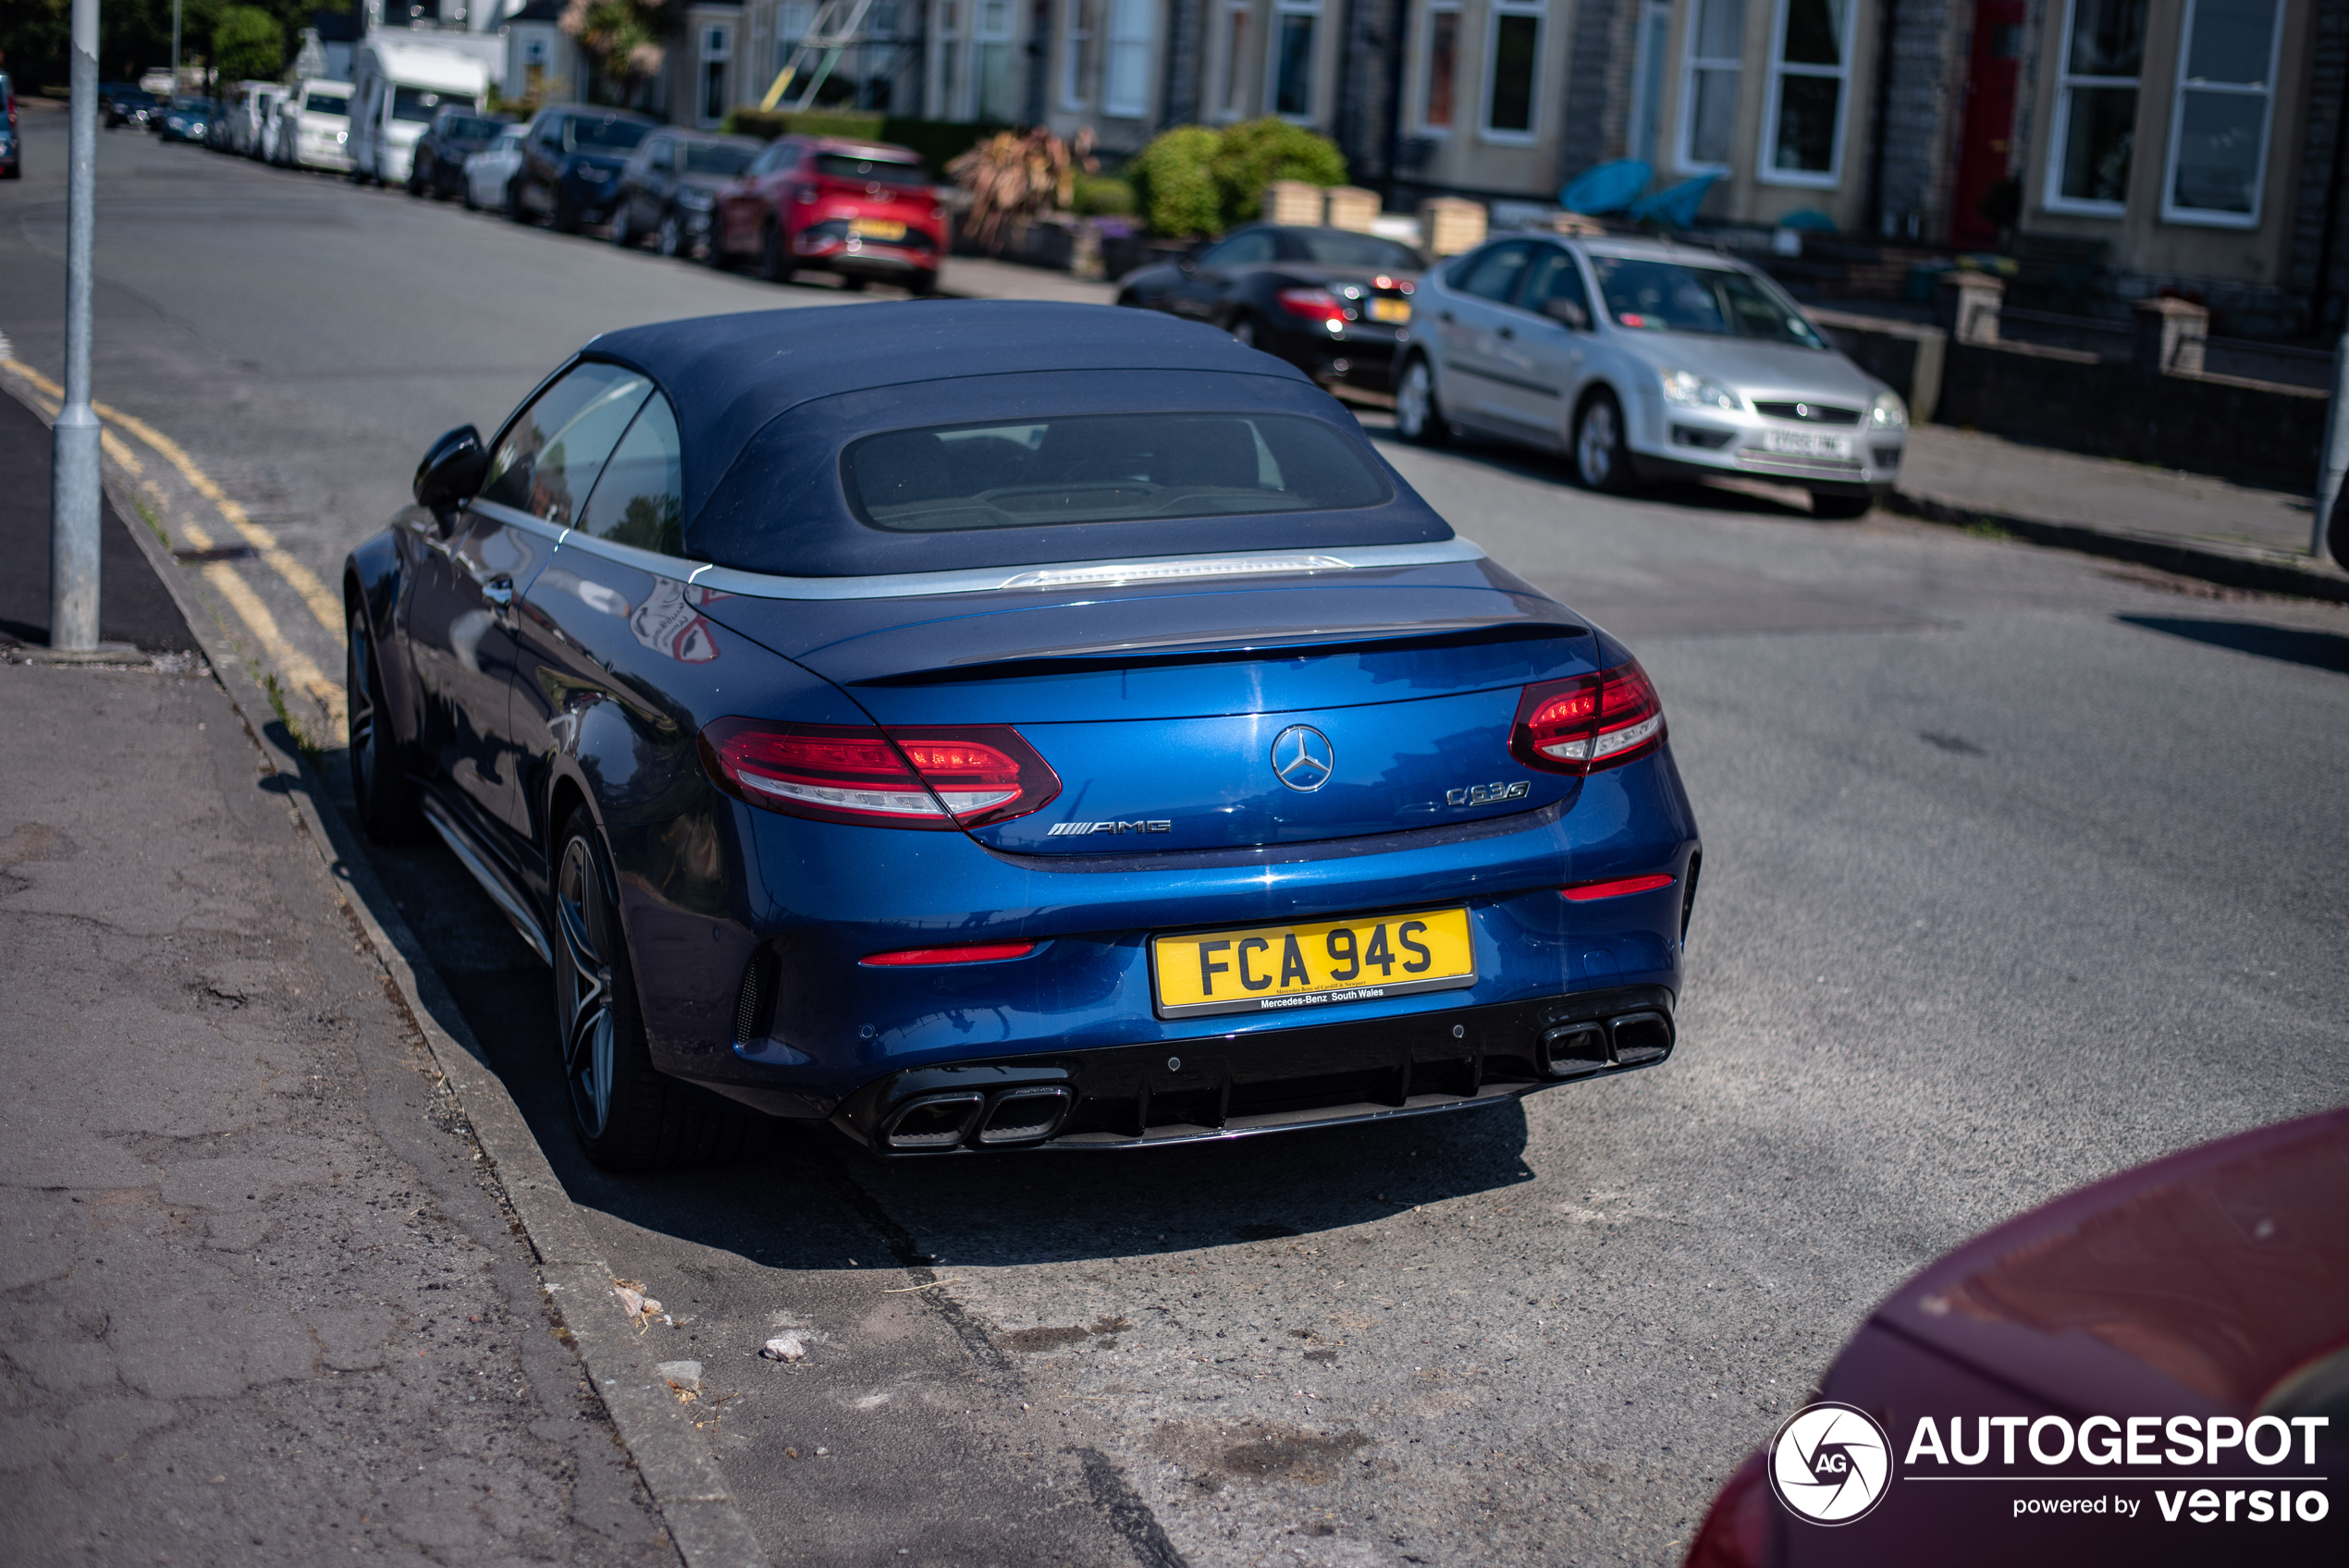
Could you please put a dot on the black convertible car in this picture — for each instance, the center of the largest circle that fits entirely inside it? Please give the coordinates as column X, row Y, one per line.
column 1334, row 303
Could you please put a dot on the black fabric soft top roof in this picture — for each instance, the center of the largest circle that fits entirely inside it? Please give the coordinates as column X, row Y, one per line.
column 762, row 491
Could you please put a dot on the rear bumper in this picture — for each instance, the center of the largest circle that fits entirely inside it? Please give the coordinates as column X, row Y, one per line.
column 1239, row 1085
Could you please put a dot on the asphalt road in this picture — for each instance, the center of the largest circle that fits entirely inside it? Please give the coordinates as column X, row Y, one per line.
column 2020, row 869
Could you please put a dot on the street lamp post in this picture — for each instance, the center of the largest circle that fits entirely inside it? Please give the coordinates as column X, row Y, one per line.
column 73, row 466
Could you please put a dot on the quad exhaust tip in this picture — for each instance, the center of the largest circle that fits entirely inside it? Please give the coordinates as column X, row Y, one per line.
column 1590, row 1044
column 940, row 1122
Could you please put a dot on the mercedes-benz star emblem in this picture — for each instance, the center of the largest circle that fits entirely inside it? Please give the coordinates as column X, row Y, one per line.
column 1303, row 758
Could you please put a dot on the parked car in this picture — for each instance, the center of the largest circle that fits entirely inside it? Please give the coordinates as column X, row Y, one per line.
column 123, row 104
column 805, row 684
column 315, row 134
column 2202, row 1295
column 401, row 81
column 1332, row 302
column 189, row 119
column 1645, row 361
column 491, row 170
column 571, row 162
column 11, row 148
column 455, row 135
column 862, row 209
column 670, row 186
column 249, row 114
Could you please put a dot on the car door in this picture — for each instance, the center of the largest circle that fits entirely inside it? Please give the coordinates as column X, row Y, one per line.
column 1204, row 289
column 542, row 152
column 1539, row 347
column 1477, row 383
column 461, row 625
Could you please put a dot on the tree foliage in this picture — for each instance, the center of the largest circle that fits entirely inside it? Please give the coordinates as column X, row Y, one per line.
column 247, row 45
column 1195, row 180
column 622, row 37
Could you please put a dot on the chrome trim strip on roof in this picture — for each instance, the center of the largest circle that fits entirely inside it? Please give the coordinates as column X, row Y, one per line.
column 1058, row 575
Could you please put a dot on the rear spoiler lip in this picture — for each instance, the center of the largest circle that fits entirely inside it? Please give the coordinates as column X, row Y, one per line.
column 1316, row 642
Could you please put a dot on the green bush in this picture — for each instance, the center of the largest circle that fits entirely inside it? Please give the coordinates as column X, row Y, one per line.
column 1174, row 182
column 1099, row 196
column 1253, row 154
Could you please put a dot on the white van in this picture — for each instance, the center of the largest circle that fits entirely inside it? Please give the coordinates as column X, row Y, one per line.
column 313, row 132
column 401, row 80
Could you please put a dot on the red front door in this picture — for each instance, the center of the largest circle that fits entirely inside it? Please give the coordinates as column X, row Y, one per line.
column 1984, row 148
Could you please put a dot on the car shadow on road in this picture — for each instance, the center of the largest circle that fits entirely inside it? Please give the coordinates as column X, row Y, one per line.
column 2318, row 650
column 804, row 1197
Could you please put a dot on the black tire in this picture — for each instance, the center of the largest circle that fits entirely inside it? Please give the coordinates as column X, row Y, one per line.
column 774, row 262
column 1841, row 507
column 564, row 219
column 1418, row 417
column 621, row 235
column 416, row 183
column 1602, row 459
column 923, row 286
column 513, row 201
column 670, row 237
column 626, row 1115
column 387, row 806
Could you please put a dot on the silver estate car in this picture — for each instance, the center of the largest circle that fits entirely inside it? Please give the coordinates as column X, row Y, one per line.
column 1644, row 361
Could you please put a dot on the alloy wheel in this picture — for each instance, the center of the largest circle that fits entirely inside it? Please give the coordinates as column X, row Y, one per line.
column 1594, row 446
column 584, row 925
column 672, row 234
column 1417, row 417
column 359, row 702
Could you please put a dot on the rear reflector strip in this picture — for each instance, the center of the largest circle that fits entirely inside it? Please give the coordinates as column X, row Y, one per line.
column 969, row 953
column 1583, row 892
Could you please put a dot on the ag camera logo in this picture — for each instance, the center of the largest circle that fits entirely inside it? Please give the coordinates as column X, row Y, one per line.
column 1830, row 1464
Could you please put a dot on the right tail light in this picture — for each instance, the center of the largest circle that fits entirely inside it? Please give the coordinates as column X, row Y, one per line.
column 1588, row 722
column 1736, row 1532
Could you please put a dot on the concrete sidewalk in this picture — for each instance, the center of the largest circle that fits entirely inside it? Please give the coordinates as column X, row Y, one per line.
column 264, row 1303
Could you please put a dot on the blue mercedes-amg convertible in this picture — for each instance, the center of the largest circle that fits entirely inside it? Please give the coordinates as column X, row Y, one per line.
column 990, row 725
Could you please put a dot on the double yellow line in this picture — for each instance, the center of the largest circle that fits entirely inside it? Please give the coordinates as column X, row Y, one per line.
column 297, row 668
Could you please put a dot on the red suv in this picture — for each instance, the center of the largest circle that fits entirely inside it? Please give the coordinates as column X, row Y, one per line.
column 861, row 209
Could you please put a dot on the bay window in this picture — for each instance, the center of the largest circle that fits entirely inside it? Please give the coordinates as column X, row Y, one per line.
column 1709, row 81
column 2096, row 114
column 1133, row 41
column 1810, row 78
column 2218, row 121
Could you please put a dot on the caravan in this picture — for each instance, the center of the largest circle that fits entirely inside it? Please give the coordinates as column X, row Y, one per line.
column 401, row 79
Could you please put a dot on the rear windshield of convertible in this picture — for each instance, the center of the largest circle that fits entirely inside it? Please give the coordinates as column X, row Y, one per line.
column 1104, row 468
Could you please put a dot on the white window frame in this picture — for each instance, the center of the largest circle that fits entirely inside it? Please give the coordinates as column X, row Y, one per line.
column 2205, row 217
column 1231, row 97
column 1075, row 92
column 1424, row 77
column 1132, row 27
column 983, row 39
column 1494, row 11
column 946, row 27
column 717, row 49
column 1692, row 64
column 2051, row 196
column 1651, row 58
column 1766, row 170
column 1312, row 61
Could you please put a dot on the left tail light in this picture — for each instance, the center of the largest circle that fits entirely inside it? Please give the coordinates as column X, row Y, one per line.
column 938, row 778
column 1313, row 304
column 1588, row 722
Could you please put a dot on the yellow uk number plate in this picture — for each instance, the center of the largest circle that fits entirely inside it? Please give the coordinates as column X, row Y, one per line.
column 1277, row 968
column 1396, row 311
column 876, row 229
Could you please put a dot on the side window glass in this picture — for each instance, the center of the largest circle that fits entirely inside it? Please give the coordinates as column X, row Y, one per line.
column 1496, row 273
column 547, row 459
column 1553, row 276
column 1243, row 250
column 640, row 500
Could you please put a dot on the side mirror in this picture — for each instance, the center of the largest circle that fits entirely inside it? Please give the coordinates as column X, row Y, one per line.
column 1570, row 312
column 1187, row 265
column 452, row 469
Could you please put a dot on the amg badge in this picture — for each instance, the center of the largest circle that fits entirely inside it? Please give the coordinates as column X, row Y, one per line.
column 1070, row 829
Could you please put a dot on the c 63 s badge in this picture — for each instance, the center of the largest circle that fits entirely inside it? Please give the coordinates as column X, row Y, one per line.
column 1488, row 794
